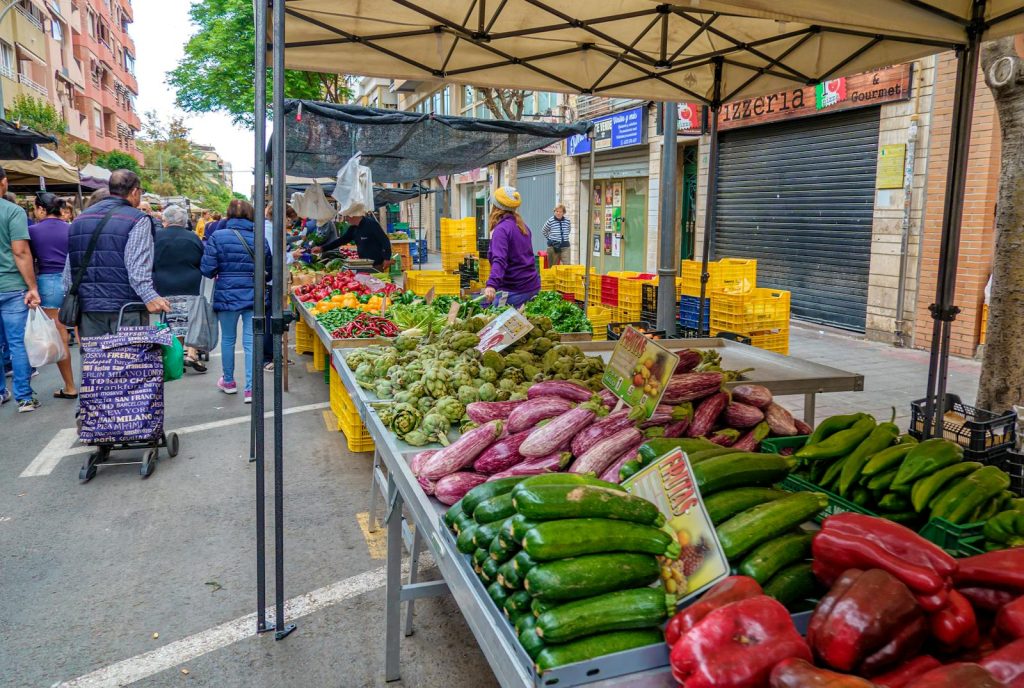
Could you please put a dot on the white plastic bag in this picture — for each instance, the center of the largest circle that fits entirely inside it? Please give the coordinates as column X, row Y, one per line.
column 42, row 341
column 354, row 190
column 317, row 205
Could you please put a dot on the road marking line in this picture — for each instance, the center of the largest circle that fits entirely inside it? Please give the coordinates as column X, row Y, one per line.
column 187, row 649
column 376, row 543
column 64, row 442
column 331, row 421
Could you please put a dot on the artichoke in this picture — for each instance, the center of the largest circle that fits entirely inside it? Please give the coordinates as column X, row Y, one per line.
column 516, row 375
column 417, row 389
column 468, row 394
column 466, row 425
column 425, row 404
column 435, row 426
column 405, row 343
column 494, row 361
column 417, row 438
column 487, row 392
column 507, row 385
column 502, row 395
column 364, row 376
column 386, row 413
column 383, row 389
column 436, row 381
column 383, row 364
column 518, row 396
column 406, row 419
column 452, row 408
column 488, row 375
column 463, row 341
column 404, row 397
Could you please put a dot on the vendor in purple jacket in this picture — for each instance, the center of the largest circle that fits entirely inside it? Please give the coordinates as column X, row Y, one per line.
column 513, row 268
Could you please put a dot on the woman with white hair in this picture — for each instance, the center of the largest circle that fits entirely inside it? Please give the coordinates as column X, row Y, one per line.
column 177, row 253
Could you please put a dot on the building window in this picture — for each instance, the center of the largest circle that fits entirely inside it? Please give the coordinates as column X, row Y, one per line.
column 129, row 62
column 447, row 98
column 91, row 24
column 56, row 31
column 7, row 60
column 97, row 120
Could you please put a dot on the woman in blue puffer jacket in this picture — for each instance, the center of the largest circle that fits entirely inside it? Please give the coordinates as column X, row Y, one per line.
column 230, row 257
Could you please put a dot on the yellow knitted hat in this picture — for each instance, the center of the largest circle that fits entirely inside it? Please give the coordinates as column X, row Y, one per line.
column 506, row 198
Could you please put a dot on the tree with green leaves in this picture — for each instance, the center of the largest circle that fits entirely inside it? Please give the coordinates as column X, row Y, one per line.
column 119, row 160
column 217, row 73
column 37, row 114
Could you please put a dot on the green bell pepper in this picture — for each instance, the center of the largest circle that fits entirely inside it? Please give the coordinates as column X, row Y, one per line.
column 1006, row 528
column 841, row 443
column 927, row 458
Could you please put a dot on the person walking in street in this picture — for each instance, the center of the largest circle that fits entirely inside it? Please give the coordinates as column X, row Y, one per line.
column 177, row 256
column 201, row 224
column 120, row 269
column 289, row 258
column 213, row 226
column 230, row 257
column 371, row 241
column 556, row 233
column 18, row 293
column 50, row 248
column 513, row 268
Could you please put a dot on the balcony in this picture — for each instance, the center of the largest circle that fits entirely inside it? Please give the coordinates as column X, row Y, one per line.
column 107, row 99
column 32, row 85
column 588, row 107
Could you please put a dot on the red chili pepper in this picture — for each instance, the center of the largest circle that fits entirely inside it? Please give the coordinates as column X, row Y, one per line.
column 1010, row 620
column 1006, row 663
column 905, row 673
column 955, row 626
column 732, row 589
column 1003, row 569
column 845, row 550
column 896, row 539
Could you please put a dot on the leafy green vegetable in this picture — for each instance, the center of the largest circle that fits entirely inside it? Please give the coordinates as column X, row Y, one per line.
column 565, row 315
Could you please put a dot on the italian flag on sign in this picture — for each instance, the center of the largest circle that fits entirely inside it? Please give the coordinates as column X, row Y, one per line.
column 828, row 93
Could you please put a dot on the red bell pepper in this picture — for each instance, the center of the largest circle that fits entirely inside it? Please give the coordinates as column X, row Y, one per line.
column 846, row 550
column 1010, row 620
column 896, row 539
column 907, row 672
column 862, row 613
column 736, row 646
column 905, row 643
column 1006, row 663
column 960, row 675
column 732, row 589
column 1002, row 569
column 956, row 626
column 796, row 673
column 988, row 599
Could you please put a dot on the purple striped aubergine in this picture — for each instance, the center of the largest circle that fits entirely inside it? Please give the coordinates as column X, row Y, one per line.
column 706, row 414
column 754, row 395
column 603, row 454
column 501, row 455
column 485, row 411
column 558, row 433
column 552, row 463
column 688, row 360
column 691, row 386
column 751, row 440
column 606, row 427
column 726, row 437
column 418, row 459
column 560, row 388
column 663, row 415
column 611, row 474
column 677, row 429
column 742, row 416
column 531, row 412
column 429, row 486
column 780, row 420
column 607, row 398
column 463, row 451
column 454, row 486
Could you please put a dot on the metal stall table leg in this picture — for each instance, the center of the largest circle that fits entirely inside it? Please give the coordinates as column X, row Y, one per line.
column 376, row 477
column 414, row 567
column 810, row 399
column 393, row 606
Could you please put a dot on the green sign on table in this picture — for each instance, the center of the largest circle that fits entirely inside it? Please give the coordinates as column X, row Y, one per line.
column 638, row 371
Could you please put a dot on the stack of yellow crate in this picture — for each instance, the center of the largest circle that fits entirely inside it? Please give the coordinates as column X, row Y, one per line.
column 320, row 354
column 567, row 276
column 984, row 322
column 761, row 314
column 599, row 317
column 547, row 279
column 356, row 434
column 420, row 282
column 458, row 240
column 581, row 285
column 303, row 338
column 733, row 274
column 630, row 292
column 485, row 270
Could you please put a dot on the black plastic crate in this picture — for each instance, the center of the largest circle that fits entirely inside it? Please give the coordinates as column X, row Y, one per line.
column 483, row 247
column 984, row 435
column 1012, row 464
column 649, row 316
column 649, row 298
column 615, row 330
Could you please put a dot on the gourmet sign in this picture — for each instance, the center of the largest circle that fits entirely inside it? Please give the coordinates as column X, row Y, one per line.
column 846, row 93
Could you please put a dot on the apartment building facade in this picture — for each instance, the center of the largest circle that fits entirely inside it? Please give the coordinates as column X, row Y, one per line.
column 77, row 55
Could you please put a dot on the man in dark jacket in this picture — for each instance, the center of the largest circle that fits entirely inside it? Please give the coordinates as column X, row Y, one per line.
column 121, row 268
column 371, row 241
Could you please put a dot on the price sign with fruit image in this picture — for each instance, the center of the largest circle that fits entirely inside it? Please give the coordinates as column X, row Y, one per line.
column 668, row 484
column 638, row 371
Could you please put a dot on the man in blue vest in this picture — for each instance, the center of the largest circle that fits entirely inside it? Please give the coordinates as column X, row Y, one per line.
column 120, row 270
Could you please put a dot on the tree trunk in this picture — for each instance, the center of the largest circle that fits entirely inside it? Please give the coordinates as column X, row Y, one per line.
column 1002, row 370
column 511, row 171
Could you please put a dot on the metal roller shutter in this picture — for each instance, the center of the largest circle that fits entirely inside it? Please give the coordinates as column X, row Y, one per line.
column 799, row 197
column 536, row 182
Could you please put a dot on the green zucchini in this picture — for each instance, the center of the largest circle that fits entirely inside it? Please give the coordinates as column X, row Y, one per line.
column 549, row 502
column 483, row 534
column 595, row 646
column 517, row 603
column 464, row 543
column 524, row 621
column 573, row 537
column 462, row 522
column 499, row 552
column 742, row 533
column 710, row 453
column 489, row 571
column 773, row 556
column 480, row 556
column 509, row 577
column 523, row 563
column 590, row 575
column 740, row 470
column 453, row 513
column 494, row 509
column 565, row 479
column 539, row 606
column 506, row 536
column 497, row 594
column 520, row 524
column 613, row 611
column 792, row 584
column 531, row 642
column 725, row 505
column 487, row 490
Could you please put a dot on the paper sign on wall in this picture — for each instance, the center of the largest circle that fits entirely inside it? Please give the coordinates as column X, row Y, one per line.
column 639, row 370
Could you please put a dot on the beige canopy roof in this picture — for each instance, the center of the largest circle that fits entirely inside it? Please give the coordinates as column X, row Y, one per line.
column 629, row 48
column 53, row 168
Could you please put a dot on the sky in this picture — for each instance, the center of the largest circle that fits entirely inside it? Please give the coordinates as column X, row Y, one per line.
column 160, row 31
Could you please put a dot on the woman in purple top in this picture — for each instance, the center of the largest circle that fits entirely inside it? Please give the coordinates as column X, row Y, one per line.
column 513, row 268
column 49, row 238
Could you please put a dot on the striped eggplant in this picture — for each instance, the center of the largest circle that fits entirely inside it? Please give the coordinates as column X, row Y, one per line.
column 677, row 429
column 502, row 454
column 688, row 360
column 599, row 457
column 706, row 414
column 551, row 463
column 802, row 428
column 663, row 415
column 453, row 487
column 726, row 437
column 691, row 386
column 531, row 412
column 611, row 474
column 418, row 459
column 742, row 416
column 429, row 486
column 606, row 427
column 560, row 388
column 753, row 395
column 462, row 451
column 779, row 420
column 607, row 398
column 485, row 411
column 558, row 433
column 751, row 440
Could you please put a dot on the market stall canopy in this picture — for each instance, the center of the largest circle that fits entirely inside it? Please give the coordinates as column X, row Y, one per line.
column 382, row 195
column 19, row 143
column 405, row 146
column 94, row 176
column 654, row 50
column 23, row 175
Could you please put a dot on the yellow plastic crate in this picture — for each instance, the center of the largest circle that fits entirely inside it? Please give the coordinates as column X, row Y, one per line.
column 319, row 354
column 485, row 270
column 731, row 274
column 303, row 338
column 595, row 279
column 421, row 281
column 547, row 278
column 984, row 323
column 771, row 340
column 758, row 310
column 631, row 290
column 599, row 317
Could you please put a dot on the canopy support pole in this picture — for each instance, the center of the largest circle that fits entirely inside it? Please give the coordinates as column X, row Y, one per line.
column 588, row 249
column 944, row 311
column 710, row 213
column 259, row 322
column 277, row 322
column 668, row 230
column 419, row 210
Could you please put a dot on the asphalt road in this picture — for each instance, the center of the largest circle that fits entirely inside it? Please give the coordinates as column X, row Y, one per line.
column 114, row 581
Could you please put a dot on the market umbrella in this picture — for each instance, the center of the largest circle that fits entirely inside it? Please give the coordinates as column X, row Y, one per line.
column 24, row 175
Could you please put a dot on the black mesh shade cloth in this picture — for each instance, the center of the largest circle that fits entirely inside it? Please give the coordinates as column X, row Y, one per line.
column 382, row 195
column 19, row 143
column 405, row 146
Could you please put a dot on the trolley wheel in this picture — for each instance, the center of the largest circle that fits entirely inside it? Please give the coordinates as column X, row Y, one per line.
column 88, row 472
column 102, row 453
column 148, row 463
column 172, row 444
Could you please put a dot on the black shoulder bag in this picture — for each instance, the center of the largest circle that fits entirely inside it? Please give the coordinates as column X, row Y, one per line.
column 70, row 313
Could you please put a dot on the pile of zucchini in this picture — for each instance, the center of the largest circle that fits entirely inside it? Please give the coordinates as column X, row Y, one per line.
column 569, row 559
